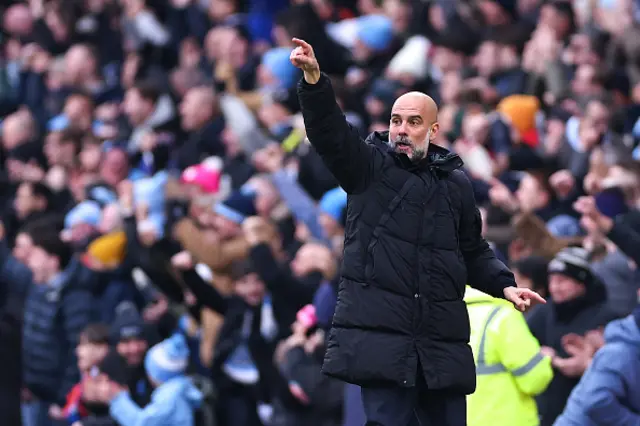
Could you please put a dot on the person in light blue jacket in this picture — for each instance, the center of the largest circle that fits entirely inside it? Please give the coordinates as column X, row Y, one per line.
column 609, row 391
column 175, row 398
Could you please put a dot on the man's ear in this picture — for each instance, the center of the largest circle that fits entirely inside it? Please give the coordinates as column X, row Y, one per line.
column 433, row 131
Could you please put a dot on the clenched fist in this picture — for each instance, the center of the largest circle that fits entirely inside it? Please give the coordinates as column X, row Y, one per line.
column 303, row 57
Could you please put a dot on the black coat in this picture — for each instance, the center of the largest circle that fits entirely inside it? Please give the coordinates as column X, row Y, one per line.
column 412, row 242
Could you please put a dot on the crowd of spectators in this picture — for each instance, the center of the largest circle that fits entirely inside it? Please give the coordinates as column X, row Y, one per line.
column 170, row 242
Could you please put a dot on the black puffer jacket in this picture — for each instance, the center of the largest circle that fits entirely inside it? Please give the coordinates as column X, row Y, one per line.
column 412, row 242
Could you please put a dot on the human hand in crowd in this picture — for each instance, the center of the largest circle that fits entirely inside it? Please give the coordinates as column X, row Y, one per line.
column 502, row 197
column 182, row 261
column 580, row 353
column 180, row 4
column 269, row 159
column 257, row 230
column 125, row 195
column 55, row 412
column 589, row 136
column 156, row 310
column 548, row 351
column 523, row 298
column 562, row 183
column 56, row 178
column 592, row 220
column 304, row 58
column 595, row 338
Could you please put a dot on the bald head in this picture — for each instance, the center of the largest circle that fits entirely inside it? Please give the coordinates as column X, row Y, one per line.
column 420, row 102
column 413, row 124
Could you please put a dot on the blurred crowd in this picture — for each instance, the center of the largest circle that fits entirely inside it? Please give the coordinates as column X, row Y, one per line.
column 170, row 242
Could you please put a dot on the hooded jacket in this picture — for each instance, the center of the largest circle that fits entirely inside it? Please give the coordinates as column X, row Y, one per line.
column 412, row 242
column 172, row 404
column 609, row 391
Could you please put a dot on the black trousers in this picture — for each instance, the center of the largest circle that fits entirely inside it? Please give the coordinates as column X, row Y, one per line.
column 417, row 406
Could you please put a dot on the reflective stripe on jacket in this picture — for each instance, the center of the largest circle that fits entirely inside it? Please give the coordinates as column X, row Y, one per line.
column 510, row 369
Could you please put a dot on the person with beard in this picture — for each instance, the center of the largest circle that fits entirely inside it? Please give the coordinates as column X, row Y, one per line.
column 578, row 305
column 256, row 317
column 413, row 240
column 130, row 337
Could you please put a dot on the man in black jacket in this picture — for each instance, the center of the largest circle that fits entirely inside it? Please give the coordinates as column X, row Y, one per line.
column 412, row 242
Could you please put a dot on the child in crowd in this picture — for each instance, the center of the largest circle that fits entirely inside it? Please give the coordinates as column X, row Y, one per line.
column 92, row 348
column 175, row 397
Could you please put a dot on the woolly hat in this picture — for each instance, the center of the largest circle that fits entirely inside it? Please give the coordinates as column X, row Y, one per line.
column 375, row 32
column 279, row 65
column 206, row 176
column 522, row 110
column 167, row 359
column 109, row 249
column 87, row 212
column 333, row 203
column 128, row 323
column 573, row 262
column 237, row 207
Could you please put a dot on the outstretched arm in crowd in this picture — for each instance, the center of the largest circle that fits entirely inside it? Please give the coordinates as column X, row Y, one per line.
column 349, row 158
column 205, row 293
column 283, row 286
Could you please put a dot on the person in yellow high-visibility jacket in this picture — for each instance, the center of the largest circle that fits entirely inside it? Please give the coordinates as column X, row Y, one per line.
column 510, row 369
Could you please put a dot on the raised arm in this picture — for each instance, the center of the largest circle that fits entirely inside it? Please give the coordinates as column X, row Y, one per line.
column 350, row 159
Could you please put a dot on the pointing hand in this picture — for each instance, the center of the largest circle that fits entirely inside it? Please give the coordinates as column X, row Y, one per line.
column 303, row 57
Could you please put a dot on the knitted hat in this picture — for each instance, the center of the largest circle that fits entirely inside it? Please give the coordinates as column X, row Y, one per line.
column 375, row 32
column 573, row 262
column 205, row 176
column 279, row 65
column 521, row 110
column 87, row 212
column 101, row 194
column 167, row 359
column 333, row 203
column 237, row 207
column 611, row 202
column 109, row 249
column 128, row 323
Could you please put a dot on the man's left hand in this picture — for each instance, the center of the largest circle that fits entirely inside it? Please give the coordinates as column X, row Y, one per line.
column 522, row 298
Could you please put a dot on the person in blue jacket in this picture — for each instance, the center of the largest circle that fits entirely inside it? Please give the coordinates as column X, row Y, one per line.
column 175, row 398
column 609, row 391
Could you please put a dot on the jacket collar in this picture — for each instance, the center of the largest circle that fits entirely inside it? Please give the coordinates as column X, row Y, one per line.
column 438, row 158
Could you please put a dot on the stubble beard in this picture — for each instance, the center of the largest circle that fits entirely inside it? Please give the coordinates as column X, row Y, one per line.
column 417, row 154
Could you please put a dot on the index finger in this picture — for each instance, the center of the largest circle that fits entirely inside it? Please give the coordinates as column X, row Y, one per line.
column 533, row 295
column 306, row 46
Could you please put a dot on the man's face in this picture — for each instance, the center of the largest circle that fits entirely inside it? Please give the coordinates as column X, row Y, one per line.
column 411, row 128
column 22, row 248
column 530, row 194
column 136, row 107
column 114, row 167
column 41, row 264
column 251, row 289
column 90, row 355
column 133, row 351
column 564, row 289
column 25, row 202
